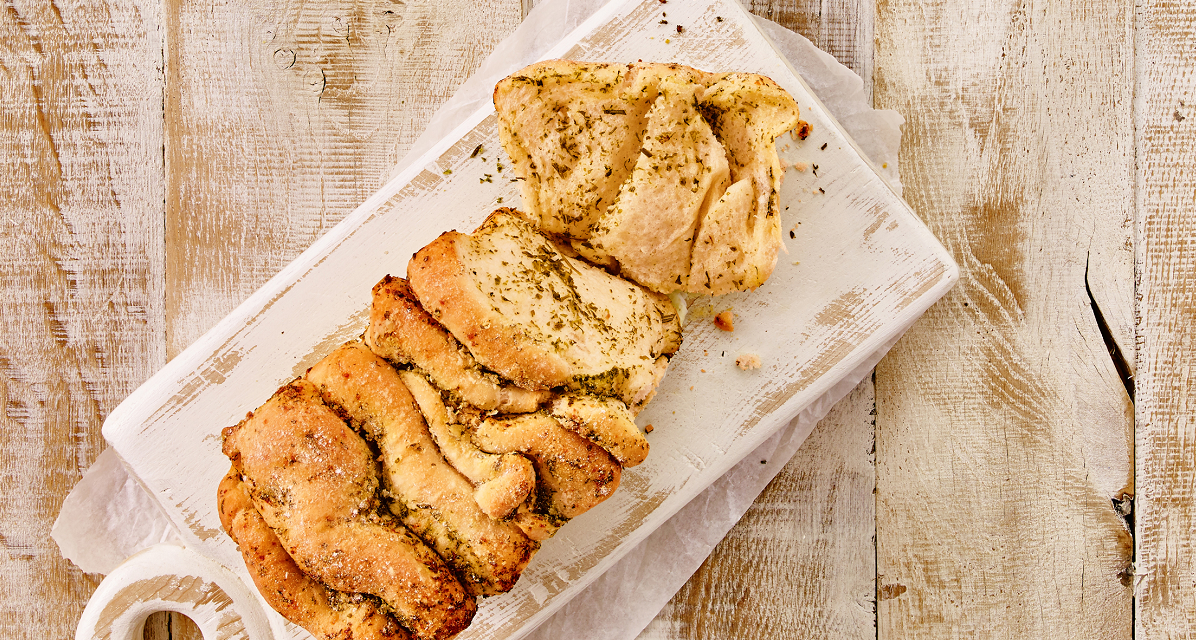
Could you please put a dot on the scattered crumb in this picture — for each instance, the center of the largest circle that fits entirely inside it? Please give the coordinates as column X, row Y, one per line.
column 666, row 40
column 725, row 320
column 703, row 371
column 648, row 429
column 884, row 166
column 691, row 388
column 801, row 166
column 796, row 262
column 803, row 130
column 748, row 361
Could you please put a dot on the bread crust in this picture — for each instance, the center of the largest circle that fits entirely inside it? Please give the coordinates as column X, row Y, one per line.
column 313, row 480
column 595, row 332
column 440, row 279
column 327, row 615
column 403, row 332
column 436, row 501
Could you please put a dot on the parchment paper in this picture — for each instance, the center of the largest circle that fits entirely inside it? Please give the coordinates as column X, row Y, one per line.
column 108, row 516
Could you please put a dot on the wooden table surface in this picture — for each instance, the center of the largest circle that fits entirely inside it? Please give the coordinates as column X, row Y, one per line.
column 1019, row 466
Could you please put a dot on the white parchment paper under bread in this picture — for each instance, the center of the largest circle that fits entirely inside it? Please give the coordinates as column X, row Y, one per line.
column 108, row 516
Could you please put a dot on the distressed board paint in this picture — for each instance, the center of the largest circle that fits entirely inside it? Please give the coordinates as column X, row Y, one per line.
column 80, row 270
column 1002, row 422
column 1165, row 513
column 801, row 563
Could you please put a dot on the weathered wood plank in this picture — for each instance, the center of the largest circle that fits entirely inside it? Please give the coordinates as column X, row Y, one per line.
column 80, row 270
column 842, row 28
column 1002, row 423
column 801, row 563
column 282, row 117
column 1165, row 510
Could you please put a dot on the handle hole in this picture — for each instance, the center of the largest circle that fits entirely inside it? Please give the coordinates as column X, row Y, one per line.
column 168, row 625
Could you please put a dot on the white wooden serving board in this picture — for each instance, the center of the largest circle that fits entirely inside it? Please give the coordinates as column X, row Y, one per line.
column 860, row 267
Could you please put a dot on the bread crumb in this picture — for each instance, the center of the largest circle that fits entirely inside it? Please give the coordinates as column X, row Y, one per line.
column 725, row 320
column 801, row 166
column 648, row 429
column 748, row 361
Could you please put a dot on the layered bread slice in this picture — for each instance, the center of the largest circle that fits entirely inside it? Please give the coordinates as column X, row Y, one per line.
column 542, row 319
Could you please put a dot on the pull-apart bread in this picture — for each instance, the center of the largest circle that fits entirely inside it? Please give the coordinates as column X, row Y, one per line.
column 493, row 395
column 666, row 173
column 491, row 400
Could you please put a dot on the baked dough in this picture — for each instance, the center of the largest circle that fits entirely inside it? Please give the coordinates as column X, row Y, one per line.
column 542, row 319
column 433, row 499
column 665, row 173
column 402, row 332
column 327, row 614
column 313, row 480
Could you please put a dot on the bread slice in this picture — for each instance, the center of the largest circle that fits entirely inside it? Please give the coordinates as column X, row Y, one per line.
column 541, row 319
column 737, row 242
column 436, row 501
column 402, row 332
column 681, row 169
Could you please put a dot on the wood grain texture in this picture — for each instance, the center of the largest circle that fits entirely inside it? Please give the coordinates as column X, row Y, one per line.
column 801, row 563
column 282, row 117
column 80, row 271
column 842, row 28
column 1165, row 511
column 809, row 537
column 1002, row 424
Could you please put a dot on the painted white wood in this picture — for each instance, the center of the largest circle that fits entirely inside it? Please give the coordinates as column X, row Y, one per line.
column 167, row 577
column 860, row 267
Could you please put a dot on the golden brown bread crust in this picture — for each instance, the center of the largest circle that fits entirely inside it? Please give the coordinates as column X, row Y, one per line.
column 604, row 421
column 402, row 332
column 314, row 482
column 327, row 615
column 435, row 501
column 438, row 276
column 573, row 475
column 542, row 319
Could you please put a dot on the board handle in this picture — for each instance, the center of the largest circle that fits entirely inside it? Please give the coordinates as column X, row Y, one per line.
column 167, row 577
